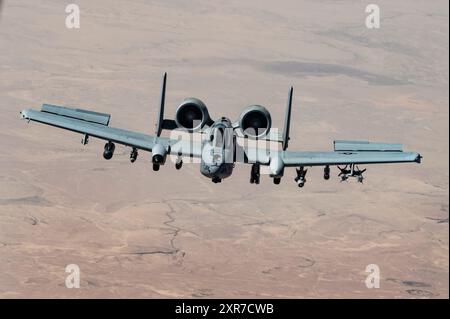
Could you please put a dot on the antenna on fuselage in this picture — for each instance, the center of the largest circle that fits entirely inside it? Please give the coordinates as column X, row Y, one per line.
column 160, row 120
column 287, row 120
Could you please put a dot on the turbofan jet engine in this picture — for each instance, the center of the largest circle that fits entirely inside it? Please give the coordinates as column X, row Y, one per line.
column 255, row 121
column 159, row 154
column 192, row 115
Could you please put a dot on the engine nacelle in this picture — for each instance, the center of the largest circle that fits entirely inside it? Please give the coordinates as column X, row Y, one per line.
column 192, row 115
column 159, row 154
column 255, row 121
column 276, row 166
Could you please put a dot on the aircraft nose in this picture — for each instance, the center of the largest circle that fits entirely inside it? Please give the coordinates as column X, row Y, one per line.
column 213, row 169
column 217, row 158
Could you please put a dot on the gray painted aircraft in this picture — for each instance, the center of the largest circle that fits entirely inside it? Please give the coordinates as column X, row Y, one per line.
column 222, row 142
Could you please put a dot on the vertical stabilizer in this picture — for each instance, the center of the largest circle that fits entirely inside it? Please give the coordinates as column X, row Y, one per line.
column 160, row 119
column 287, row 120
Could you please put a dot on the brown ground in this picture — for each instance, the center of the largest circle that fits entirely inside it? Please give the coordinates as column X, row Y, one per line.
column 137, row 233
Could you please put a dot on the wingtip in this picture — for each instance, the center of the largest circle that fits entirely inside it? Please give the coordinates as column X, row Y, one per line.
column 418, row 159
column 23, row 114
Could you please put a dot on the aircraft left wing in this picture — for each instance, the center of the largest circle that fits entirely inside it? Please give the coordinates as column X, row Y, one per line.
column 352, row 152
column 95, row 124
column 291, row 159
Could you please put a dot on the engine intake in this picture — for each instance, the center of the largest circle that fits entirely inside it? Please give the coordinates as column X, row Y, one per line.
column 255, row 121
column 192, row 115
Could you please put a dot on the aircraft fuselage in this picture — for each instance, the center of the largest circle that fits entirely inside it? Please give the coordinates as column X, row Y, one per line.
column 218, row 150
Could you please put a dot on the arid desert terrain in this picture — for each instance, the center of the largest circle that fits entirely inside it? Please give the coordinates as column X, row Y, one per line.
column 136, row 233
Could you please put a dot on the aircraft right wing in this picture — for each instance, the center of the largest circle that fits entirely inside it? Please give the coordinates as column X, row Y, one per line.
column 96, row 124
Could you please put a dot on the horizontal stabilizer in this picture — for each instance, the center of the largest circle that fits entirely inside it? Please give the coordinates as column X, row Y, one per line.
column 271, row 136
column 361, row 146
column 169, row 124
column 79, row 114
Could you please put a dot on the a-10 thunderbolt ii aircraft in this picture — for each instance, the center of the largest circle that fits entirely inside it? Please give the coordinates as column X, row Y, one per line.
column 222, row 142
